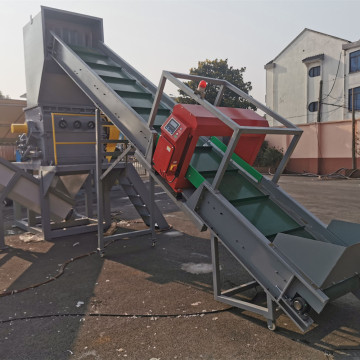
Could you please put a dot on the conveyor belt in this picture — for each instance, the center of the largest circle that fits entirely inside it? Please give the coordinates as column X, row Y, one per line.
column 256, row 206
column 130, row 90
column 289, row 235
column 285, row 249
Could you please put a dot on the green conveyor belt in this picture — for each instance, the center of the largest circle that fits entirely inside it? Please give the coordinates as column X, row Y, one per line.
column 331, row 264
column 257, row 207
column 130, row 90
column 242, row 194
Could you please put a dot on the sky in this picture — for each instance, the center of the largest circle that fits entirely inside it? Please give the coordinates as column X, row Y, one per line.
column 175, row 34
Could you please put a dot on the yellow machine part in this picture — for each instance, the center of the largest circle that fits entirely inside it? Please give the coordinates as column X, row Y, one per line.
column 114, row 134
column 19, row 128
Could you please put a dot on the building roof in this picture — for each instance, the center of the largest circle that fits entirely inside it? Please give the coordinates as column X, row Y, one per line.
column 305, row 30
column 313, row 58
column 351, row 45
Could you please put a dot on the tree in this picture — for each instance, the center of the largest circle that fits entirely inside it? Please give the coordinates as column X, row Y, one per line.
column 219, row 69
column 2, row 96
column 269, row 155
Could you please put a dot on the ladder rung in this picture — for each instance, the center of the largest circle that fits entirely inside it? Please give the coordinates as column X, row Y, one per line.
column 289, row 232
column 147, row 110
column 134, row 94
column 117, row 80
column 249, row 199
column 114, row 141
column 96, row 66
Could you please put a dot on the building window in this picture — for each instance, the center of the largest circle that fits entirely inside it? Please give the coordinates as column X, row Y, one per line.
column 314, row 71
column 355, row 61
column 356, row 98
column 313, row 106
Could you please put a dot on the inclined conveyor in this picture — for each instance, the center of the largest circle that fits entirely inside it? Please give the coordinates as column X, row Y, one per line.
column 300, row 263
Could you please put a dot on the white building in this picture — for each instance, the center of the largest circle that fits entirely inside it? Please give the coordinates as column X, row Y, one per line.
column 313, row 77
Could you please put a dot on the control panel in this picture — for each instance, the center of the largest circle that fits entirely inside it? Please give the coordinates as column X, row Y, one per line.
column 174, row 128
column 170, row 148
column 171, row 126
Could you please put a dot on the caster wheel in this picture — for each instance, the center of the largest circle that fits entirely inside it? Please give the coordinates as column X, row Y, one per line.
column 7, row 202
column 271, row 327
column 101, row 253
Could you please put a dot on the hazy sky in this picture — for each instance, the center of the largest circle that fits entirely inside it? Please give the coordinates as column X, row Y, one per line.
column 175, row 34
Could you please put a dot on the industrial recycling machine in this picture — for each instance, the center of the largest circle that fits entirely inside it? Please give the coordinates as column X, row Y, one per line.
column 57, row 141
column 75, row 82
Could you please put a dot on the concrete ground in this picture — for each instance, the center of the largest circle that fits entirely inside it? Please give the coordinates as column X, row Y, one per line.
column 140, row 302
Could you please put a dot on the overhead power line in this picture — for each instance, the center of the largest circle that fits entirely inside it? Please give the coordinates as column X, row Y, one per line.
column 337, row 71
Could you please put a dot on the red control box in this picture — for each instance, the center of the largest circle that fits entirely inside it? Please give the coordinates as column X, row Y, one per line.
column 171, row 145
column 181, row 131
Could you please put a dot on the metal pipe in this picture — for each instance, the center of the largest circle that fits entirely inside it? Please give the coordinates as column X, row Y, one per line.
column 260, row 106
column 219, row 96
column 118, row 159
column 215, row 264
column 286, row 158
column 226, row 158
column 199, row 78
column 156, row 103
column 228, row 121
column 226, row 84
column 290, row 129
column 99, row 184
column 152, row 209
column 269, row 130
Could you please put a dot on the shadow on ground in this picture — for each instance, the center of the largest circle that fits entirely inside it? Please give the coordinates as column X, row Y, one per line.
column 135, row 279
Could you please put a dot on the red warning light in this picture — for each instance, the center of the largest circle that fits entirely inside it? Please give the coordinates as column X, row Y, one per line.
column 202, row 84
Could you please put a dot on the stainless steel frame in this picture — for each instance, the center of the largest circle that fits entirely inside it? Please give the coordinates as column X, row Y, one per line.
column 227, row 295
column 139, row 196
column 290, row 129
column 44, row 224
column 276, row 273
column 280, row 274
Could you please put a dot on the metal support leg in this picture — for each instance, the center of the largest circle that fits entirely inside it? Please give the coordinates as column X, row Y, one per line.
column 99, row 184
column 152, row 210
column 2, row 228
column 226, row 296
column 106, row 188
column 88, row 196
column 45, row 210
column 216, row 265
column 271, row 313
column 17, row 210
column 31, row 216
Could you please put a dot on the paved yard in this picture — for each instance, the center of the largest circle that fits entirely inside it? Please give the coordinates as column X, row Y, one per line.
column 140, row 302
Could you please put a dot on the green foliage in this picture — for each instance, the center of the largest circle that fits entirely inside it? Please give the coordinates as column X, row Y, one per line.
column 2, row 96
column 219, row 69
column 268, row 155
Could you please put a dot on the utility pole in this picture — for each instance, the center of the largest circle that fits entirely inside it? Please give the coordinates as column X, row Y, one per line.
column 353, row 133
column 319, row 103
